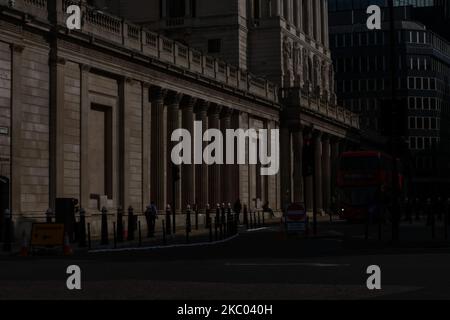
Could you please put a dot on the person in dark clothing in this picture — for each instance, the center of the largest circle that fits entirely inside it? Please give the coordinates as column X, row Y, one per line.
column 266, row 208
column 237, row 208
column 151, row 214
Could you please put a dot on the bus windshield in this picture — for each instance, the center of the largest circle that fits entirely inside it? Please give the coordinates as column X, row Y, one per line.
column 359, row 196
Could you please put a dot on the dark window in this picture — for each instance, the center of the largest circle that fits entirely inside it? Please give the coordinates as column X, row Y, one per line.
column 176, row 8
column 214, row 45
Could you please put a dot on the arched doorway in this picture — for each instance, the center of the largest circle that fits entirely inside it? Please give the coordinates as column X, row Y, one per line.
column 4, row 200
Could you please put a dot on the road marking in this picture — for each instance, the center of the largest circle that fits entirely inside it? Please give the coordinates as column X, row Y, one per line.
column 200, row 244
column 259, row 229
column 294, row 264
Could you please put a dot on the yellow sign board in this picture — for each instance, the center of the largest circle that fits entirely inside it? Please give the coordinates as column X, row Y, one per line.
column 47, row 235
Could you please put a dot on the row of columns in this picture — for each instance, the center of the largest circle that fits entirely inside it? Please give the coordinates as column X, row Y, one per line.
column 200, row 184
column 327, row 149
column 309, row 16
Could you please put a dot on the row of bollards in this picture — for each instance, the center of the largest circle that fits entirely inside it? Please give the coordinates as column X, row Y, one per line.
column 221, row 224
column 413, row 211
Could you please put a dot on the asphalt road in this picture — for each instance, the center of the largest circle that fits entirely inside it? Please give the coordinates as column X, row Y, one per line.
column 257, row 265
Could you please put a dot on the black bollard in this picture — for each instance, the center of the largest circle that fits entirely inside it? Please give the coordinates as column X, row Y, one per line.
column 140, row 234
column 259, row 219
column 380, row 222
column 82, row 233
column 49, row 215
column 105, row 240
column 168, row 217
column 417, row 209
column 89, row 237
column 366, row 227
column 208, row 217
column 131, row 225
column 230, row 220
column 115, row 235
column 224, row 218
column 210, row 233
column 119, row 225
column 215, row 228
column 246, row 222
column 196, row 217
column 446, row 219
column 428, row 213
column 188, row 223
column 7, row 244
column 164, row 232
column 432, row 221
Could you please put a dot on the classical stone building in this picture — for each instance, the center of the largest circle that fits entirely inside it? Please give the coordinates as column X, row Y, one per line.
column 88, row 114
column 287, row 42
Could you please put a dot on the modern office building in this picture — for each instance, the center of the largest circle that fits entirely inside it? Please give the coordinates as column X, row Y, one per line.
column 361, row 59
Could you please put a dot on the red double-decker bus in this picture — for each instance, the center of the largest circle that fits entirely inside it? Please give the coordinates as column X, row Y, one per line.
column 361, row 177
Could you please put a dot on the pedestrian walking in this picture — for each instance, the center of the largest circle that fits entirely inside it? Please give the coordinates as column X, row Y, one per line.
column 151, row 215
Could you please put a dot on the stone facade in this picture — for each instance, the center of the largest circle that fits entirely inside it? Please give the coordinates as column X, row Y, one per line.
column 90, row 114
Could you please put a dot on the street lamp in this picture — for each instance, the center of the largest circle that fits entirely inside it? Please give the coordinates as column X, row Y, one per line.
column 393, row 135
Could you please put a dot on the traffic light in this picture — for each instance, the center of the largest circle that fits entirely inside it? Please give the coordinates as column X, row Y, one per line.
column 308, row 157
column 393, row 118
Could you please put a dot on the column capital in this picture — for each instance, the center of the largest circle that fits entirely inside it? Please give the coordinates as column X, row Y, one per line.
column 85, row 67
column 173, row 98
column 202, row 105
column 58, row 60
column 317, row 134
column 17, row 47
column 326, row 137
column 215, row 109
column 188, row 102
column 157, row 94
column 226, row 112
column 146, row 85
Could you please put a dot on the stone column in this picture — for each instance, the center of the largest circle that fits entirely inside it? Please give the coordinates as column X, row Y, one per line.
column 325, row 24
column 285, row 145
column 201, row 170
column 159, row 150
column 334, row 164
column 84, row 150
column 16, row 124
column 227, row 172
column 311, row 19
column 299, row 14
column 318, row 20
column 298, row 165
column 326, row 168
column 308, row 182
column 57, row 69
column 214, row 170
column 173, row 123
column 290, row 15
column 146, row 145
column 276, row 8
column 318, row 170
column 188, row 170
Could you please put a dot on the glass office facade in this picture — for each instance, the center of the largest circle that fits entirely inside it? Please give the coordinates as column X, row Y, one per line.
column 340, row 5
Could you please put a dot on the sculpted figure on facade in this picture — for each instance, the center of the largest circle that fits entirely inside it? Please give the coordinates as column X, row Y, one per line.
column 317, row 80
column 287, row 61
column 333, row 98
column 325, row 80
column 306, row 70
column 298, row 65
